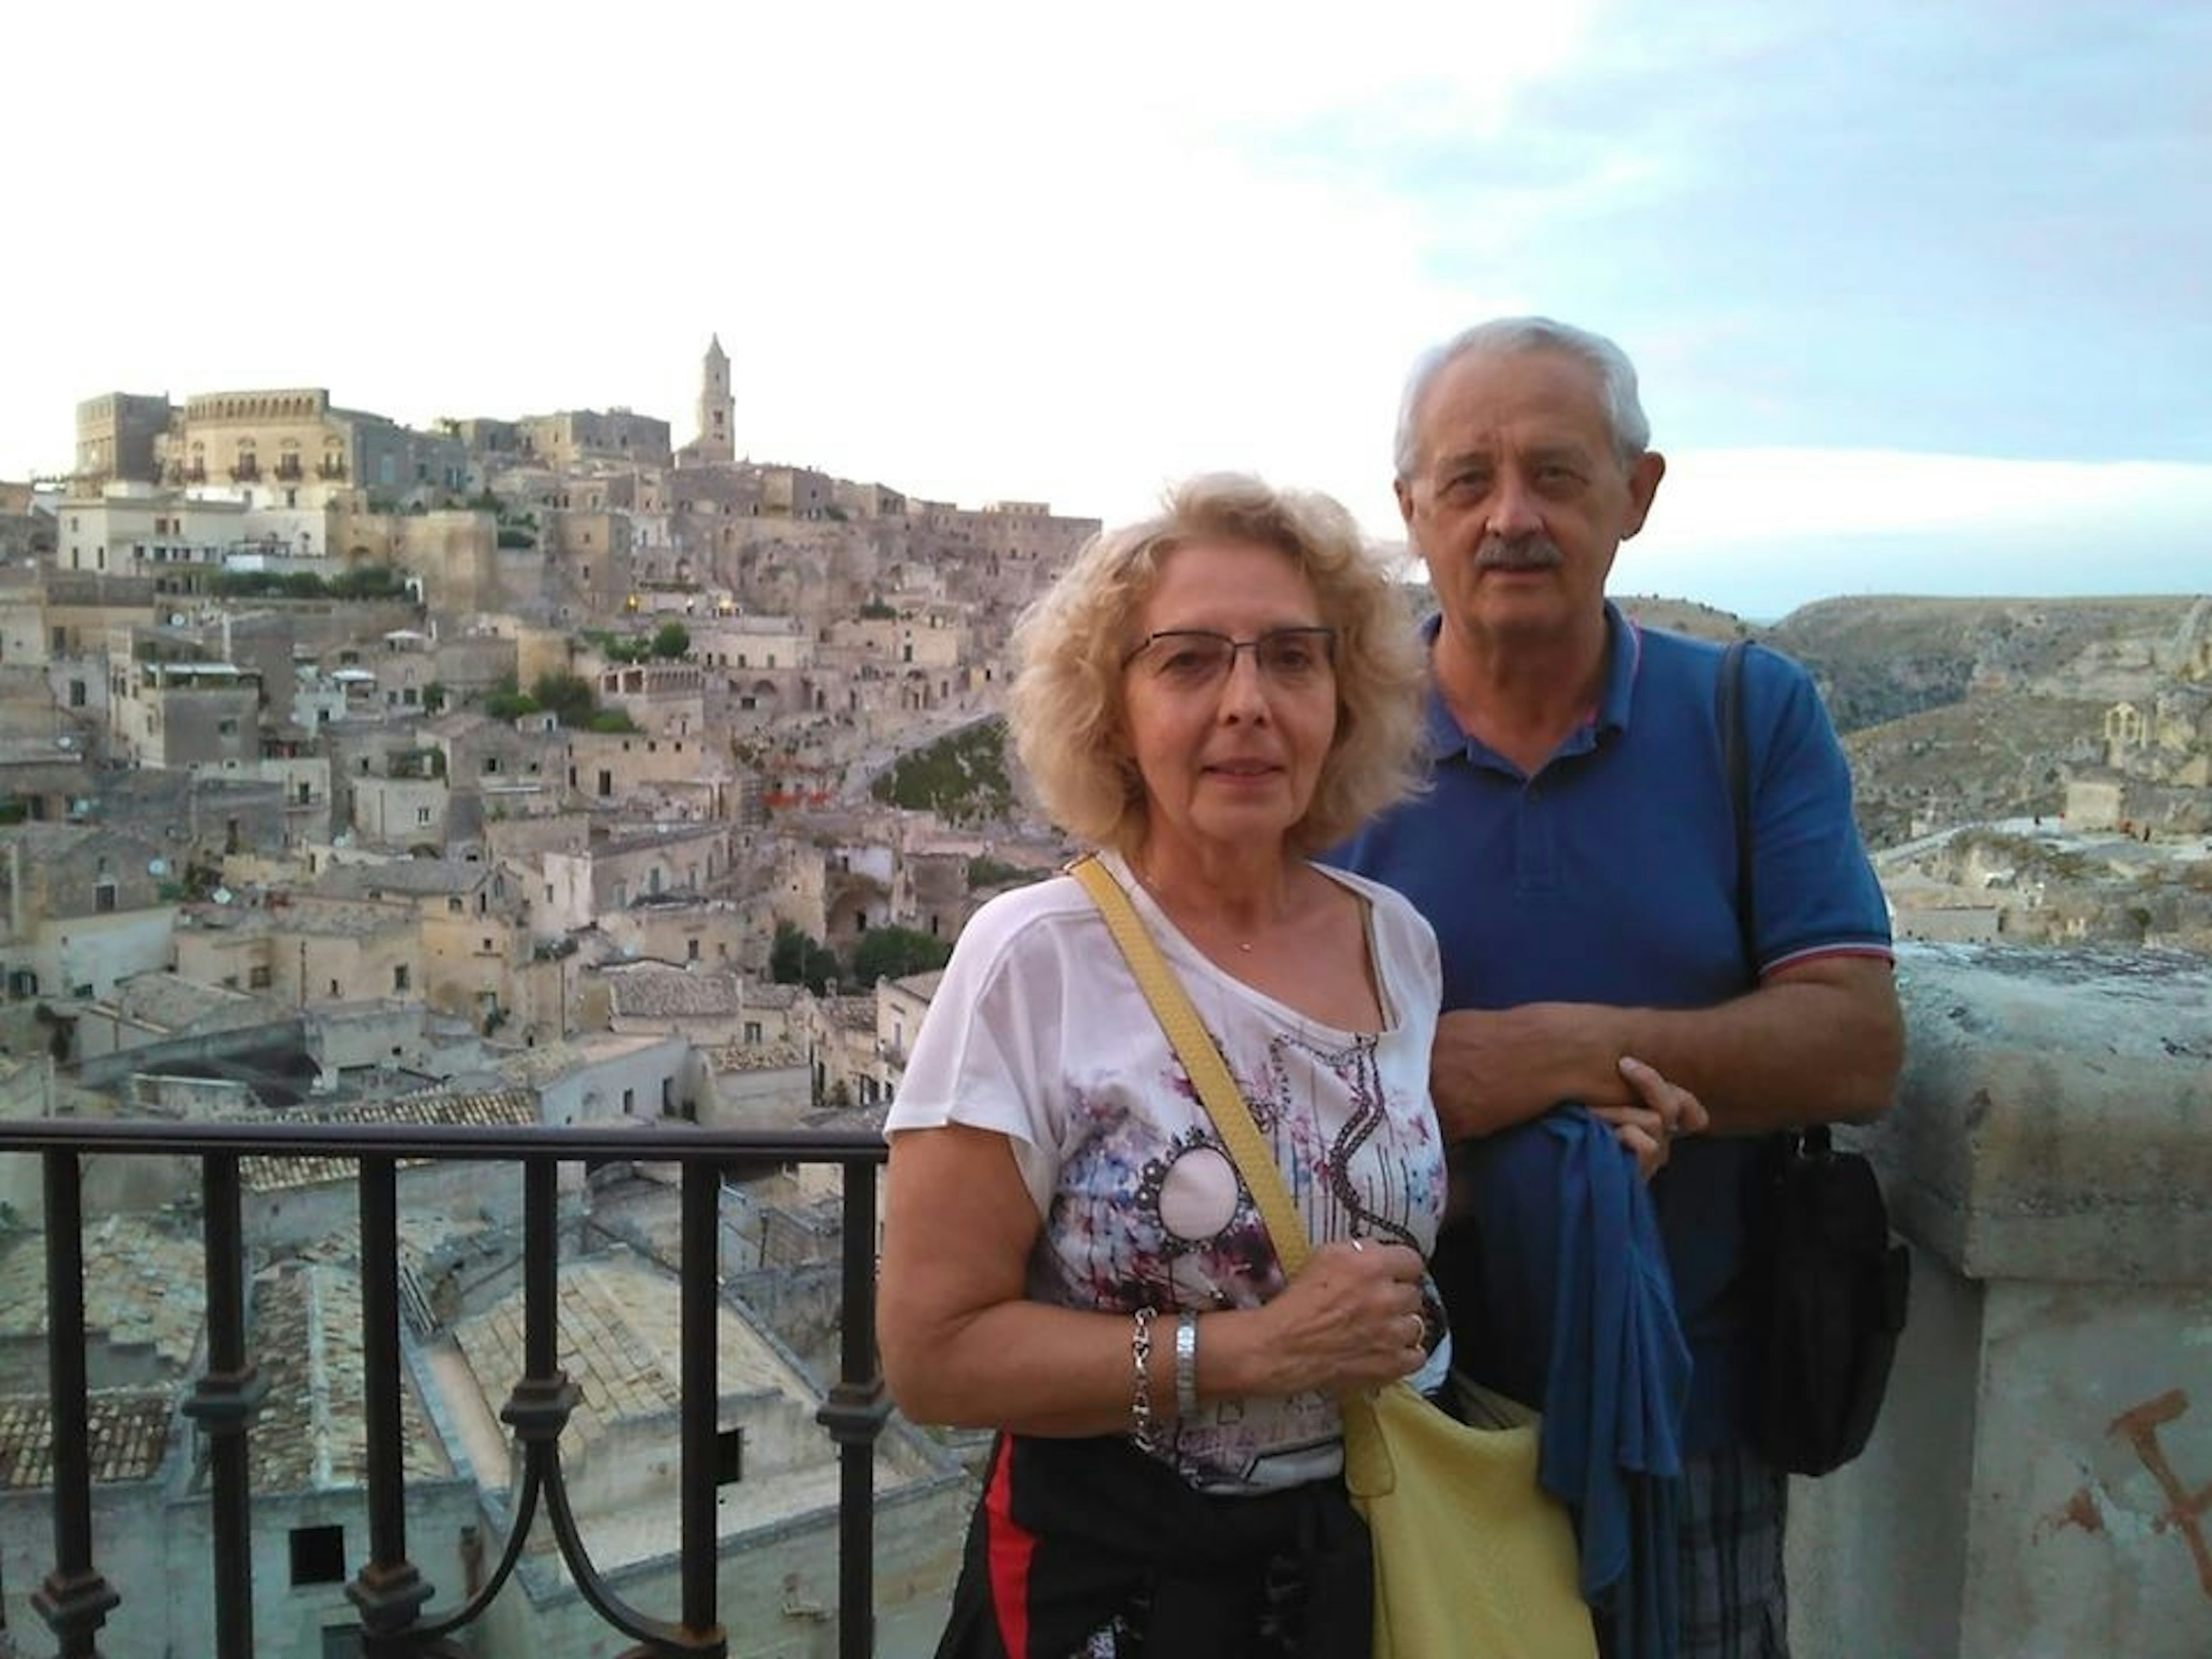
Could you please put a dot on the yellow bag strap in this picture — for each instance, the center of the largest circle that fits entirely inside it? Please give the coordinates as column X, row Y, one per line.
column 1201, row 1059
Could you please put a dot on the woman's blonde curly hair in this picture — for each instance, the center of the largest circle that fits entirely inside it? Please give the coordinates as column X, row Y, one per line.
column 1066, row 710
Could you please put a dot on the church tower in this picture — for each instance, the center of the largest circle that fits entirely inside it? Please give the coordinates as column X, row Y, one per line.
column 716, row 406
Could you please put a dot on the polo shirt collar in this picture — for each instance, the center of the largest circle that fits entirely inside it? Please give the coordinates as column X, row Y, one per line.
column 1623, row 656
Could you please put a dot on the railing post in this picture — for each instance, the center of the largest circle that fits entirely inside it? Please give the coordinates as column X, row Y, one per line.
column 854, row 1414
column 700, row 1294
column 388, row 1590
column 224, row 1403
column 75, row 1600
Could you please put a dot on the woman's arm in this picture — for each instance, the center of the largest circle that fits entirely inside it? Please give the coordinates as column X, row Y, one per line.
column 962, row 1344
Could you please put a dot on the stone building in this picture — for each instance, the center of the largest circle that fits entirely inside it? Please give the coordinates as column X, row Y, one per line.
column 184, row 715
column 301, row 949
column 117, row 436
column 84, row 908
column 289, row 440
column 717, row 412
column 570, row 440
column 622, row 870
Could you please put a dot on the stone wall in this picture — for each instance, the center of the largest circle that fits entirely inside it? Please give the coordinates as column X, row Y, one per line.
column 2039, row 1485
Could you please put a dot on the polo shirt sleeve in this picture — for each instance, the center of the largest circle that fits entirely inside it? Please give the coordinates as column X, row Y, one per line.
column 1814, row 889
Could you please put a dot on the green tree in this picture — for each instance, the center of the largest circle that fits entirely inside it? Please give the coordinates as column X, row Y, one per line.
column 962, row 777
column 984, row 871
column 673, row 641
column 368, row 581
column 568, row 696
column 894, row 952
column 797, row 957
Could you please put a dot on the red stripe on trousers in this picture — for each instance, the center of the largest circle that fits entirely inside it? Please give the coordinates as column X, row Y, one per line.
column 1010, row 1548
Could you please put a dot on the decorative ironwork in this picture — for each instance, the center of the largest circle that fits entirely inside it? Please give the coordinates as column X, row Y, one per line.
column 390, row 1592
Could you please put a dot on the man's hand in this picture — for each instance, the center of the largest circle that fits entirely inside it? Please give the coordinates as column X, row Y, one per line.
column 1648, row 1129
column 1491, row 1070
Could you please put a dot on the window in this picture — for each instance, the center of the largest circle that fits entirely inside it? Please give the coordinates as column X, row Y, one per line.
column 258, row 978
column 334, row 984
column 422, row 814
column 630, row 1100
column 317, row 1555
column 729, row 1457
column 103, row 897
column 667, row 1096
column 399, row 977
column 753, row 1030
column 454, row 905
column 691, row 949
column 77, row 693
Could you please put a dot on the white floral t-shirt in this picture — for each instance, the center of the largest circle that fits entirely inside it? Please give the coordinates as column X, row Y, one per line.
column 1039, row 1032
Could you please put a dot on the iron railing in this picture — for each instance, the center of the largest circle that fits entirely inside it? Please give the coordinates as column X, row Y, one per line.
column 389, row 1592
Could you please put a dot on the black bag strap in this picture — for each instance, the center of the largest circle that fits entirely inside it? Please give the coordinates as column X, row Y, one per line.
column 1736, row 756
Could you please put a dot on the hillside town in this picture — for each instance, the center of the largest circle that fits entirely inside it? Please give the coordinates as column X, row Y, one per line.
column 538, row 770
column 518, row 771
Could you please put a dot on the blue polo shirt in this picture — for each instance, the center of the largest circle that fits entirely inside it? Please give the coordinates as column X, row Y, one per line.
column 1608, row 876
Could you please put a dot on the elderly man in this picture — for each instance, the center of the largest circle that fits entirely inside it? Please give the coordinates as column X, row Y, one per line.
column 1576, row 857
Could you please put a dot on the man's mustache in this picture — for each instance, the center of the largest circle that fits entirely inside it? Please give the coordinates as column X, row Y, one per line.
column 1518, row 552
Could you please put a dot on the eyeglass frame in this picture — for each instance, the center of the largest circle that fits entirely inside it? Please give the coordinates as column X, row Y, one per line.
column 1326, row 633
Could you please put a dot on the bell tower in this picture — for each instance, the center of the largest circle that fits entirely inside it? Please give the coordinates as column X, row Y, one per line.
column 716, row 406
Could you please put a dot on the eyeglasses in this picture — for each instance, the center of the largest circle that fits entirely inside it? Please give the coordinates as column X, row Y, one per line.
column 1192, row 657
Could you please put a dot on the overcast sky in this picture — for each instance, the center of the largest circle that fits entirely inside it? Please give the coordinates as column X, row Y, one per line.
column 1922, row 293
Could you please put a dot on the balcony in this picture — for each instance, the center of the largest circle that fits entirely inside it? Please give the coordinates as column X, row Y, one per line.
column 391, row 1594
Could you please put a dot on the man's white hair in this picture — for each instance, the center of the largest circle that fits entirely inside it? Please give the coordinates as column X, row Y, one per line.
column 1503, row 335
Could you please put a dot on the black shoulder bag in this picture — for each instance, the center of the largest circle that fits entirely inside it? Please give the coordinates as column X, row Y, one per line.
column 1828, row 1287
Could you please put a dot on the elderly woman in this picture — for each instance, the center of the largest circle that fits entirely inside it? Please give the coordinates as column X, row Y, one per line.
column 1069, row 1256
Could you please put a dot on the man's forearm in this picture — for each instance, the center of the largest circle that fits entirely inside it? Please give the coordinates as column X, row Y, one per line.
column 1822, row 1047
column 1822, row 1041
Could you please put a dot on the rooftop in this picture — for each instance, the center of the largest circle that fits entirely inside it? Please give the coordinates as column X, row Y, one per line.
column 549, row 1062
column 309, row 1436
column 164, row 1001
column 516, row 1108
column 651, row 992
column 146, row 1289
column 621, row 1344
column 130, row 1435
column 412, row 878
column 759, row 1057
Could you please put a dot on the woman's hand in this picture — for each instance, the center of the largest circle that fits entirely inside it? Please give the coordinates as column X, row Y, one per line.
column 1647, row 1129
column 1352, row 1319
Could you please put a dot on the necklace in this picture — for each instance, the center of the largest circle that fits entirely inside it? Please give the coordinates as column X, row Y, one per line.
column 1145, row 880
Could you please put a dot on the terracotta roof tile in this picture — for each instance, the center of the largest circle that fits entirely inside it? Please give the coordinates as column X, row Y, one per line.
column 129, row 1434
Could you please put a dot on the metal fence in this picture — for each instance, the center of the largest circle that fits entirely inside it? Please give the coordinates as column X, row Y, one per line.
column 389, row 1592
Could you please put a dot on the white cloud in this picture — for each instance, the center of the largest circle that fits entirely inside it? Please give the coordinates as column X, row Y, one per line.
column 991, row 249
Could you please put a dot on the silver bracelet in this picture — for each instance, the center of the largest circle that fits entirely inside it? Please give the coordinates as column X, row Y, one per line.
column 1185, row 1365
column 1140, row 1358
